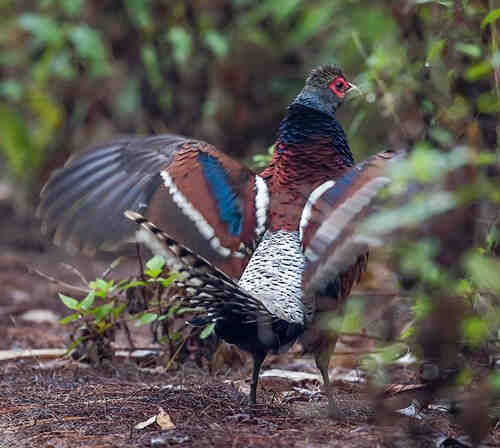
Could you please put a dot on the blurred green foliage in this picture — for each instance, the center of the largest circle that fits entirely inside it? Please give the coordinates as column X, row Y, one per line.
column 77, row 72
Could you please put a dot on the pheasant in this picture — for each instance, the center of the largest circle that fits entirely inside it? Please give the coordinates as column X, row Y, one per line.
column 282, row 296
column 263, row 254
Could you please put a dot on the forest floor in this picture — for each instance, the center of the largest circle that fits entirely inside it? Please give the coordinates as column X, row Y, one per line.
column 49, row 401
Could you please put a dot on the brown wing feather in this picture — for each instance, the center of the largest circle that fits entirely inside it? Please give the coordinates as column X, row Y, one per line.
column 82, row 204
column 332, row 244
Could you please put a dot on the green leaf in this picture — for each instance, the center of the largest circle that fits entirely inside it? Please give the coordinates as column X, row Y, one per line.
column 62, row 66
column 150, row 60
column 495, row 59
column 173, row 309
column 493, row 237
column 408, row 332
column 72, row 7
column 353, row 316
column 102, row 326
column 117, row 311
column 89, row 46
column 488, row 103
column 102, row 287
column 86, row 303
column 207, row 331
column 422, row 307
column 484, row 271
column 73, row 345
column 12, row 90
column 132, row 284
column 410, row 214
column 169, row 280
column 70, row 318
column 435, row 50
column 418, row 258
column 495, row 382
column 69, row 302
column 129, row 99
column 172, row 337
column 44, row 29
column 181, row 42
column 145, row 319
column 491, row 17
column 475, row 330
column 442, row 135
column 391, row 352
column 217, row 43
column 283, row 9
column 183, row 310
column 464, row 288
column 175, row 336
column 154, row 266
column 102, row 311
column 478, row 71
column 157, row 262
column 15, row 140
column 138, row 11
column 49, row 117
column 313, row 21
column 471, row 50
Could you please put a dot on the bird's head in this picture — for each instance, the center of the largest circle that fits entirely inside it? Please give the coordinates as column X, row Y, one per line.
column 326, row 89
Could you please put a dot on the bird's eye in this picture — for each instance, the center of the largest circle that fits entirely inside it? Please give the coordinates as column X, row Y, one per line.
column 339, row 86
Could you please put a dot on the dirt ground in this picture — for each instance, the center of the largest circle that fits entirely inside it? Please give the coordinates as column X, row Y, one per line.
column 52, row 402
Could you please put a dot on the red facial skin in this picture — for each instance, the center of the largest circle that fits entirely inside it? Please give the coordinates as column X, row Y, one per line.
column 339, row 86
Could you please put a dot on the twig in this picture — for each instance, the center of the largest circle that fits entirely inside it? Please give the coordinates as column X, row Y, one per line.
column 370, row 336
column 112, row 266
column 139, row 257
column 361, row 352
column 172, row 358
column 129, row 336
column 60, row 283
column 133, row 349
column 76, row 272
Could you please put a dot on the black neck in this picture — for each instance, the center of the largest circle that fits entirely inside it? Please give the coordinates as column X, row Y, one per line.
column 303, row 125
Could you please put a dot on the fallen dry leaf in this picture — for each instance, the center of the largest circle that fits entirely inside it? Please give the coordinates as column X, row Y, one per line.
column 40, row 315
column 145, row 423
column 164, row 421
column 36, row 353
column 393, row 389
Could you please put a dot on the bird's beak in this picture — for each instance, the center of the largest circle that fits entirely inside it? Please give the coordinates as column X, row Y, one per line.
column 353, row 92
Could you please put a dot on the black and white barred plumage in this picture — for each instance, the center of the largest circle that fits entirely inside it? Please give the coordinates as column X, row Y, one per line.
column 209, row 288
column 240, row 317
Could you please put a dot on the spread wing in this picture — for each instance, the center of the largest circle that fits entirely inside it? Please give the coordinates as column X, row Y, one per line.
column 200, row 196
column 334, row 247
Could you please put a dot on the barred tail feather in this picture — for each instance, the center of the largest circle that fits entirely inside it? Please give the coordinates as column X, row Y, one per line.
column 206, row 286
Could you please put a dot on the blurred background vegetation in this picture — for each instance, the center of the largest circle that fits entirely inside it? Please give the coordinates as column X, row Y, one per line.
column 77, row 72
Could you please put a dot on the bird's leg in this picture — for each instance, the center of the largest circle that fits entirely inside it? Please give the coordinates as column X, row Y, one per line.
column 139, row 257
column 258, row 358
column 322, row 357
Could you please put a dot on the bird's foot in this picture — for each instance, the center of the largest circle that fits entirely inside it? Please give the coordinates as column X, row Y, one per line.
column 334, row 412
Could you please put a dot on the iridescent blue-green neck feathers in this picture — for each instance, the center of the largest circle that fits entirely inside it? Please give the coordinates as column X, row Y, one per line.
column 304, row 125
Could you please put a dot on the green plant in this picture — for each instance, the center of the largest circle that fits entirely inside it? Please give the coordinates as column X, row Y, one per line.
column 111, row 304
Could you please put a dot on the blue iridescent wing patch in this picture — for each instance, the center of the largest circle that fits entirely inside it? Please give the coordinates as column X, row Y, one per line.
column 227, row 201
